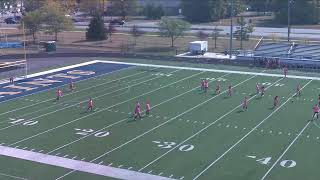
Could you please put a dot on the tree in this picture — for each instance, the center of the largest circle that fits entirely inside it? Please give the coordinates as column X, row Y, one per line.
column 32, row 5
column 153, row 12
column 96, row 30
column 202, row 35
column 209, row 10
column 110, row 31
column 123, row 8
column 172, row 28
column 302, row 12
column 215, row 35
column 55, row 19
column 136, row 33
column 32, row 22
column 93, row 6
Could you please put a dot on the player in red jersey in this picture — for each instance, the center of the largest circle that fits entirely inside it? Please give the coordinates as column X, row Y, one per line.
column 90, row 105
column 285, row 71
column 137, row 111
column 148, row 108
column 218, row 89
column 206, row 85
column 71, row 86
column 58, row 94
column 230, row 90
column 298, row 93
column 245, row 104
column 257, row 88
column 275, row 101
column 315, row 111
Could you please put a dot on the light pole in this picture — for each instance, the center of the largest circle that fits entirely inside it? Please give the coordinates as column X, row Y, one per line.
column 231, row 29
column 289, row 18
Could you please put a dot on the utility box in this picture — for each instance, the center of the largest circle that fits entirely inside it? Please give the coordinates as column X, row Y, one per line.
column 50, row 46
column 198, row 47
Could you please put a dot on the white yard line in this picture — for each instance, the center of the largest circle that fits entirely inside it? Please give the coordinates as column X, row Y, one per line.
column 162, row 124
column 78, row 91
column 103, row 109
column 211, row 70
column 81, row 166
column 125, row 119
column 12, row 176
column 245, row 136
column 47, row 89
column 285, row 151
column 201, row 130
column 77, row 104
column 72, row 101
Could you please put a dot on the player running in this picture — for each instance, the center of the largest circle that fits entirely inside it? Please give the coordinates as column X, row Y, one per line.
column 245, row 103
column 229, row 90
column 71, row 86
column 257, row 88
column 262, row 90
column 275, row 101
column 285, row 71
column 58, row 94
column 218, row 89
column 137, row 111
column 298, row 91
column 315, row 111
column 90, row 105
column 11, row 79
column 148, row 108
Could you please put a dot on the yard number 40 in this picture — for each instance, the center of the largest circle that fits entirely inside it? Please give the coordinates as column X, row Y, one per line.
column 284, row 163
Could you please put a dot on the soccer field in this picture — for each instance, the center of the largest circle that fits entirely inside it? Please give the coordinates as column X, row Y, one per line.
column 188, row 135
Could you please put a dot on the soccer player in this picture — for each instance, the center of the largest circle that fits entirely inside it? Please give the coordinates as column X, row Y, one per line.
column 59, row 94
column 202, row 84
column 245, row 103
column 11, row 79
column 218, row 89
column 137, row 111
column 230, row 90
column 298, row 93
column 262, row 89
column 315, row 111
column 71, row 86
column 285, row 71
column 319, row 99
column 90, row 105
column 148, row 108
column 275, row 101
column 206, row 85
column 257, row 88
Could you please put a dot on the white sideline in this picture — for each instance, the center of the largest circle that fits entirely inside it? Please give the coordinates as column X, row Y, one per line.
column 211, row 70
column 78, row 165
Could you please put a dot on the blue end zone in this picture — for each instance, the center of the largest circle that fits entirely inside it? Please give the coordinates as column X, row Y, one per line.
column 53, row 80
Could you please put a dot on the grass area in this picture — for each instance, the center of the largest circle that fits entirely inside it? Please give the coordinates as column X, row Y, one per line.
column 189, row 134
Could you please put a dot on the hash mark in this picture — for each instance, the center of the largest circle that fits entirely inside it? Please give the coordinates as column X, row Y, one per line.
column 32, row 150
column 100, row 162
column 150, row 172
column 24, row 148
column 83, row 159
column 182, row 178
column 66, row 155
column 129, row 168
column 120, row 166
column 171, row 176
column 160, row 173
column 110, row 164
column 74, row 157
column 40, row 151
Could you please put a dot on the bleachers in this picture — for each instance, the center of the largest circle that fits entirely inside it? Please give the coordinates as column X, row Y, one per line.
column 272, row 49
column 288, row 50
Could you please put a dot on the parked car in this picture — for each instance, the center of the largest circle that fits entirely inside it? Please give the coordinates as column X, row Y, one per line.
column 10, row 21
column 117, row 22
